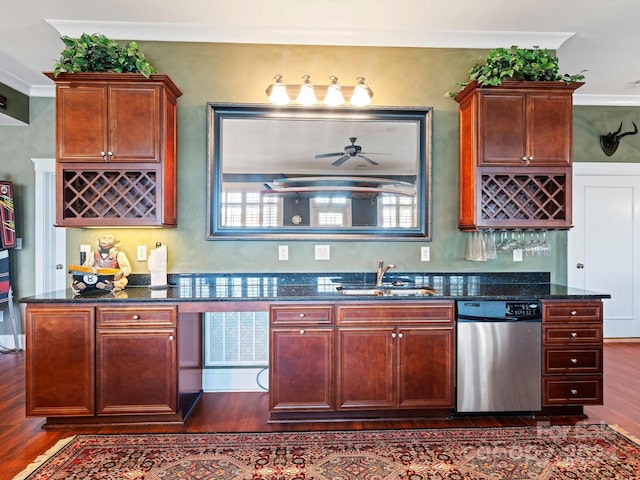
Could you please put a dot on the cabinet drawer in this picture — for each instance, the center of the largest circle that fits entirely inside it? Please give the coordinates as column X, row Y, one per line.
column 136, row 316
column 572, row 335
column 573, row 361
column 571, row 312
column 572, row 391
column 299, row 314
column 396, row 313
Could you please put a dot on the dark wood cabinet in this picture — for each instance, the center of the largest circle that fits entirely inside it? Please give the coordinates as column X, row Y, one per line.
column 395, row 356
column 389, row 356
column 572, row 352
column 60, row 360
column 520, row 128
column 301, row 372
column 515, row 155
column 111, row 364
column 116, row 150
column 136, row 358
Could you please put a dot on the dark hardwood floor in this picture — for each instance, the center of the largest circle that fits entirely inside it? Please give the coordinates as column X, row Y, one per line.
column 22, row 439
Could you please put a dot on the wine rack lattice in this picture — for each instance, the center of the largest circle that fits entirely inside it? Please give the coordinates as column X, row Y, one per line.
column 112, row 194
column 524, row 196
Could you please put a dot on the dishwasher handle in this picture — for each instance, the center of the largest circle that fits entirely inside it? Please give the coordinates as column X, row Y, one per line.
column 473, row 318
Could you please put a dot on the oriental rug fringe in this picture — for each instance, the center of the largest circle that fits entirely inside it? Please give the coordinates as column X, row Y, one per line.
column 543, row 452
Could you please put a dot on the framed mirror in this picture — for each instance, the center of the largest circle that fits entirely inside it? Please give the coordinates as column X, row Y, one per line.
column 301, row 172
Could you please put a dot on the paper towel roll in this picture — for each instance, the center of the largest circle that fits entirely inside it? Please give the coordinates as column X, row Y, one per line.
column 158, row 267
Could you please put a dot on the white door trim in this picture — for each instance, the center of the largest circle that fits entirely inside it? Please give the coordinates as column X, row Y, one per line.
column 50, row 241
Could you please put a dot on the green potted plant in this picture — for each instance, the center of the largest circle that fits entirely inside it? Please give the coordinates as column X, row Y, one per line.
column 523, row 64
column 96, row 53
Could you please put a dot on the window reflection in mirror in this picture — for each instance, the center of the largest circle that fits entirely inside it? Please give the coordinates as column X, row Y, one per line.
column 318, row 172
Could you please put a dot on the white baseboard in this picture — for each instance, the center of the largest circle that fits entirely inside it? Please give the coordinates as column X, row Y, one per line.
column 234, row 379
column 8, row 342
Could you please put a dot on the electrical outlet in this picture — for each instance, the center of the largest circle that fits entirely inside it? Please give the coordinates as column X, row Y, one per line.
column 283, row 252
column 142, row 253
column 425, row 254
column 323, row 252
column 517, row 255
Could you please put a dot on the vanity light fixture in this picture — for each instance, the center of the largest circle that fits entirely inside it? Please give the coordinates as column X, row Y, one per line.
column 308, row 94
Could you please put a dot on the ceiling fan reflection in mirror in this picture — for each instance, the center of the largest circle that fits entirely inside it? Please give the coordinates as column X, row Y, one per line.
column 350, row 151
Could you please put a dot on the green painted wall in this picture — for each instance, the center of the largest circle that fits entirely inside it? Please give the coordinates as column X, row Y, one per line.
column 240, row 73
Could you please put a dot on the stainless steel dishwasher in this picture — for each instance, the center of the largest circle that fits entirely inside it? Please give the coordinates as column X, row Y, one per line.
column 499, row 356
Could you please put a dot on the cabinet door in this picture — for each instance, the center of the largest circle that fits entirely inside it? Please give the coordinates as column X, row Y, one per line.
column 134, row 123
column 81, row 123
column 425, row 367
column 60, row 360
column 136, row 371
column 301, row 369
column 365, row 368
column 549, row 129
column 501, row 129
column 518, row 129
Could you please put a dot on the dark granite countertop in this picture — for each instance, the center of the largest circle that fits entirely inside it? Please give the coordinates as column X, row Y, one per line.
column 324, row 287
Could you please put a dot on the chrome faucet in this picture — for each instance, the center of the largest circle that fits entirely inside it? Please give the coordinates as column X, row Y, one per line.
column 382, row 269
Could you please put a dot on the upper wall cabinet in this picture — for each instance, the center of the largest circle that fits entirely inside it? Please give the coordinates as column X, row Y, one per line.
column 515, row 155
column 116, row 149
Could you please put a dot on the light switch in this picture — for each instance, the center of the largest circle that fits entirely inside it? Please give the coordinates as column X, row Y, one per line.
column 425, row 254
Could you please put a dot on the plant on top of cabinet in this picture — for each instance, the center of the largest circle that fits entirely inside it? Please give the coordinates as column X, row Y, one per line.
column 97, row 53
column 523, row 64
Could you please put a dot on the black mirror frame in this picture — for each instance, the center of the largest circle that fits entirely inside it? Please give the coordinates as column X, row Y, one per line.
column 216, row 112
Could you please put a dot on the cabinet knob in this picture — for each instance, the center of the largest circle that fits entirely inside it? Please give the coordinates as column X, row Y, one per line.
column 574, row 360
column 574, row 391
column 136, row 317
column 574, row 334
column 301, row 332
column 302, row 315
column 400, row 335
column 171, row 338
column 579, row 266
column 573, row 313
column 394, row 335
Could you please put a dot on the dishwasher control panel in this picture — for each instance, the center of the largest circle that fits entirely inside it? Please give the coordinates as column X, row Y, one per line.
column 522, row 309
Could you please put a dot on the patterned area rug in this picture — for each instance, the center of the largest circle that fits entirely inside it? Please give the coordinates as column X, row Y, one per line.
column 544, row 452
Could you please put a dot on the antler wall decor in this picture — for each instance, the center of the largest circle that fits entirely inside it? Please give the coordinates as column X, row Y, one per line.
column 611, row 140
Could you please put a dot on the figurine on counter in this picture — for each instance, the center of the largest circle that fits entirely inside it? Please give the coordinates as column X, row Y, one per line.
column 106, row 260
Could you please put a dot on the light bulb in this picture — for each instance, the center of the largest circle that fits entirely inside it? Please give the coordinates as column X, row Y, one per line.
column 361, row 94
column 334, row 95
column 307, row 95
column 278, row 95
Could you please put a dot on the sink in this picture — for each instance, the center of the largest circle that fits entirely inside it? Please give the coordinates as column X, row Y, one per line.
column 385, row 291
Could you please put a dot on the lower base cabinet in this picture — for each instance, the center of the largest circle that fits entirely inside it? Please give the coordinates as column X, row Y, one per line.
column 301, row 372
column 60, row 361
column 572, row 333
column 389, row 356
column 110, row 364
column 136, row 355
